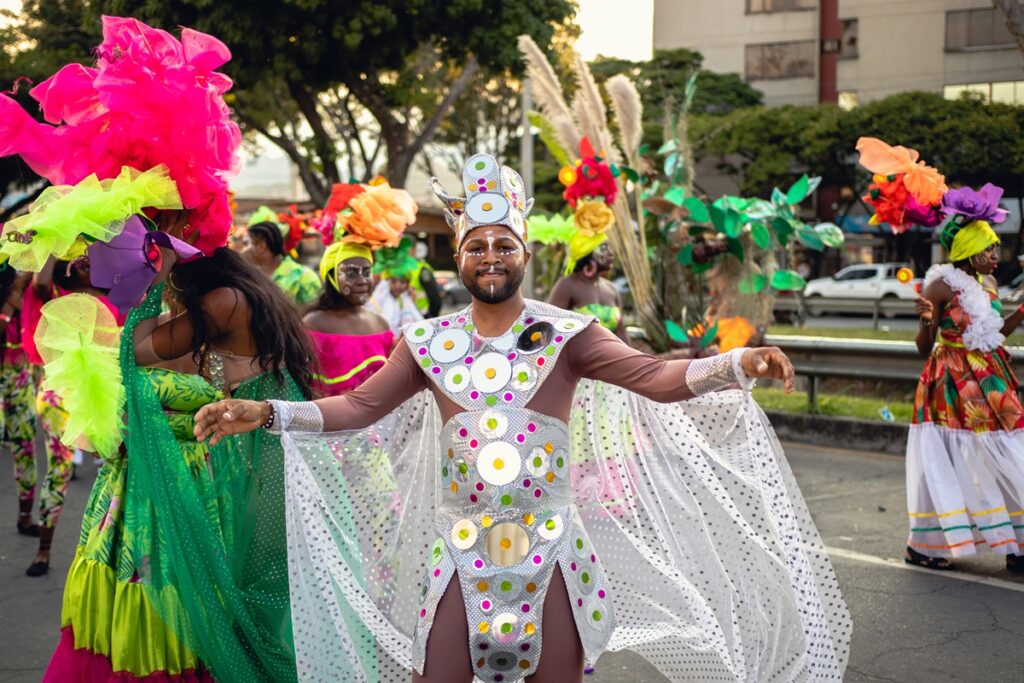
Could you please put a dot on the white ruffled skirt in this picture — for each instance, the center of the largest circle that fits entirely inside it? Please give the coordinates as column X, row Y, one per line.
column 965, row 491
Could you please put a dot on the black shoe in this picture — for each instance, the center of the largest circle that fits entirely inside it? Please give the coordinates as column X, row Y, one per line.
column 38, row 569
column 29, row 530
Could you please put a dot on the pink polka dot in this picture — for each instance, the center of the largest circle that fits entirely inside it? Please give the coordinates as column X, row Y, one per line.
column 601, row 594
column 473, row 443
column 469, row 360
column 485, row 605
column 479, row 564
column 445, row 323
column 509, row 397
column 480, row 486
column 437, row 572
column 462, row 320
column 422, row 351
column 559, row 338
column 436, row 370
column 572, row 566
column 537, row 493
column 593, row 558
column 525, row 608
column 474, row 395
column 513, row 355
column 537, row 559
column 529, row 321
column 540, row 362
column 520, row 438
column 463, row 432
column 526, row 483
column 423, row 613
column 531, row 428
column 473, row 498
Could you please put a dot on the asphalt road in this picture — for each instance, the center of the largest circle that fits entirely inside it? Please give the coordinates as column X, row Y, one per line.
column 909, row 624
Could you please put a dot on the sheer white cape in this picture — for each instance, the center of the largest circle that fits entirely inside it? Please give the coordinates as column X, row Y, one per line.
column 715, row 567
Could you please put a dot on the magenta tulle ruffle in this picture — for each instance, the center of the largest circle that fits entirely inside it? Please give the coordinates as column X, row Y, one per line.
column 151, row 100
column 69, row 665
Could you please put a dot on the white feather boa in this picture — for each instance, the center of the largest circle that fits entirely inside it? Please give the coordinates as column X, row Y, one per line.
column 983, row 332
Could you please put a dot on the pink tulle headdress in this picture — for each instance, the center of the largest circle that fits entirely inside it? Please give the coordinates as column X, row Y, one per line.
column 150, row 100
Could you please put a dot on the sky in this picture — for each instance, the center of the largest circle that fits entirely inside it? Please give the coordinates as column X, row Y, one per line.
column 610, row 29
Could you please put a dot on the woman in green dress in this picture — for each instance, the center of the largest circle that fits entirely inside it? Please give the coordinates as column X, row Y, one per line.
column 181, row 569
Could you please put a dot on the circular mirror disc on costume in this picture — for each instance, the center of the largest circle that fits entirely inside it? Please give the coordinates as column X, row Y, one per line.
column 498, row 463
column 490, row 372
column 507, row 544
column 449, row 346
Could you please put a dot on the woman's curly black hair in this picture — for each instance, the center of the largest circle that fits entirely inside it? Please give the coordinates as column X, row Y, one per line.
column 277, row 331
column 270, row 234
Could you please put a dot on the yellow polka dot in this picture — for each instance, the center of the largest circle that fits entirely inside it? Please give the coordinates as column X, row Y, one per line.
column 486, row 521
column 548, row 447
column 531, row 587
column 505, row 543
column 524, row 664
column 486, row 206
column 482, row 586
column 451, row 454
column 492, row 423
column 536, row 337
column 550, row 476
column 463, row 534
column 499, row 464
column 528, row 519
column 480, row 663
column 484, row 627
column 491, row 184
column 470, row 187
column 449, row 345
column 455, row 487
column 456, row 205
column 490, row 373
column 530, row 629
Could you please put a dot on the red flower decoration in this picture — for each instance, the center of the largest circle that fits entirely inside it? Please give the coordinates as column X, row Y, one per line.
column 594, row 178
column 888, row 195
column 341, row 195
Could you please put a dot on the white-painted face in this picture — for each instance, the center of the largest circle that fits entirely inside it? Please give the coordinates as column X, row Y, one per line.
column 492, row 263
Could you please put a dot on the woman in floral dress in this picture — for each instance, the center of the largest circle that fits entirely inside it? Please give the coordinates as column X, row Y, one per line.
column 965, row 454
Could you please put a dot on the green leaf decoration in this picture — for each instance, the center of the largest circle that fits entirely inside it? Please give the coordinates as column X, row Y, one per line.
column 735, row 247
column 685, row 255
column 630, row 173
column 697, row 230
column 699, row 268
column 698, row 211
column 675, row 195
column 708, row 337
column 549, row 136
column 787, row 281
column 812, row 184
column 754, row 283
column 783, row 229
column 733, row 223
column 830, row 234
column 669, row 146
column 717, row 215
column 675, row 332
column 759, row 232
column 644, row 149
column 691, row 88
column 670, row 164
column 778, row 198
column 809, row 238
column 798, row 192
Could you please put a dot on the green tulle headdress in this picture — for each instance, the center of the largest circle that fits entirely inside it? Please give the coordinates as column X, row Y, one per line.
column 93, row 210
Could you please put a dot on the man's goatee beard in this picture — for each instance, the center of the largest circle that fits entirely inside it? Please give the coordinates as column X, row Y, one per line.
column 493, row 294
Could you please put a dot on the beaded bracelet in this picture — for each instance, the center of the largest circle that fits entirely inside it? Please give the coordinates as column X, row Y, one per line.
column 270, row 420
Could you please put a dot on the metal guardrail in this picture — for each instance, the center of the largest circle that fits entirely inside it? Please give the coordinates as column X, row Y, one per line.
column 822, row 357
column 886, row 307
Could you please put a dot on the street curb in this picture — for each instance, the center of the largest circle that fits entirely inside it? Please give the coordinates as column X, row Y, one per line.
column 840, row 432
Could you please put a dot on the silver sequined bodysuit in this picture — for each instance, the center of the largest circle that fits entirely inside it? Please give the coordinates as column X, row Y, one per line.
column 505, row 511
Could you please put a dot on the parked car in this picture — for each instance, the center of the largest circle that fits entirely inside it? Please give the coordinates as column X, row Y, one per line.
column 453, row 293
column 865, row 281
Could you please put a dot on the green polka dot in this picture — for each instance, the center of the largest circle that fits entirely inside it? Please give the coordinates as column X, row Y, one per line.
column 596, row 615
column 522, row 376
column 444, row 471
column 506, row 499
column 480, row 165
column 506, row 586
column 550, row 525
column 585, row 578
column 579, row 544
column 420, row 332
column 506, row 628
column 457, row 379
column 560, row 462
column 517, row 327
column 491, row 400
column 550, row 351
column 469, row 327
column 538, row 461
column 425, row 362
column 463, row 468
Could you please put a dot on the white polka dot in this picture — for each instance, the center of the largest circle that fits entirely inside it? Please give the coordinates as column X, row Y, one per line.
column 498, row 463
column 491, row 372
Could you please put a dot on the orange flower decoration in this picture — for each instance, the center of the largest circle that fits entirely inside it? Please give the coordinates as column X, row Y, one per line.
column 734, row 333
column 377, row 216
column 924, row 182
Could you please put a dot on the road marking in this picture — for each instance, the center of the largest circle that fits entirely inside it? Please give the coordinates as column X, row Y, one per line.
column 900, row 564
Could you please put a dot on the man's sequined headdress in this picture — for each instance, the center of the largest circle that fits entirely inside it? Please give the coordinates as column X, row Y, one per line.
column 495, row 195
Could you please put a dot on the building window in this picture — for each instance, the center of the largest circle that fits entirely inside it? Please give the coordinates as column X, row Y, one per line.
column 847, row 99
column 976, row 29
column 1007, row 92
column 780, row 60
column 768, row 6
column 848, row 46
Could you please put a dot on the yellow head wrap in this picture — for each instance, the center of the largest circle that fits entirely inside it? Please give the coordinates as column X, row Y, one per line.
column 581, row 246
column 338, row 253
column 971, row 240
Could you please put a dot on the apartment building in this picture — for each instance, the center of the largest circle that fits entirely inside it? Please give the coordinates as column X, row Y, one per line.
column 849, row 51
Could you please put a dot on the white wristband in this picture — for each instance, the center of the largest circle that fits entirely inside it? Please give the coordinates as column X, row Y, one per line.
column 296, row 416
column 705, row 375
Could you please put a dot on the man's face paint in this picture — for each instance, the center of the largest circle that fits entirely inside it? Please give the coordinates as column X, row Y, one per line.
column 492, row 263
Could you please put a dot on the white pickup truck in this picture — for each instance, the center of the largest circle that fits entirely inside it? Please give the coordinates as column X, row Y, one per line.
column 864, row 281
